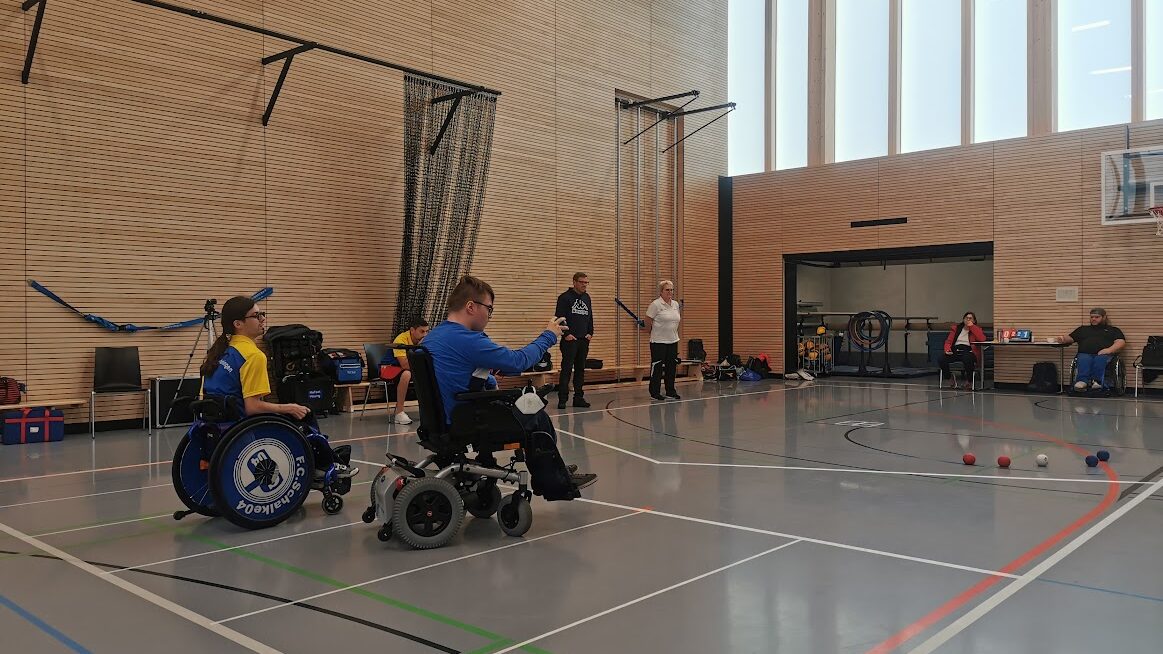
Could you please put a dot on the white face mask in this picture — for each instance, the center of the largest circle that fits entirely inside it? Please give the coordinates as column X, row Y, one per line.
column 529, row 403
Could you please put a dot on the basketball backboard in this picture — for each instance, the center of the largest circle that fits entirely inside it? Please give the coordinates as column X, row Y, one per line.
column 1132, row 183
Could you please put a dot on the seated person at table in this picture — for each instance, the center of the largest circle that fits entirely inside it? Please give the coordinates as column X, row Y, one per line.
column 1097, row 343
column 395, row 366
column 462, row 356
column 960, row 346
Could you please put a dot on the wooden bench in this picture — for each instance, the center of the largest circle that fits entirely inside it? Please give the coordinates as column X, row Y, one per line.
column 346, row 399
column 634, row 372
column 45, row 403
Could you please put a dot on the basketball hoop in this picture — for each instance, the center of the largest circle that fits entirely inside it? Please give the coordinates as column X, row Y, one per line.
column 1157, row 212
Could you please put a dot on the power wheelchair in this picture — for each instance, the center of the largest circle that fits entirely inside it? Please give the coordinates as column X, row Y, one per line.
column 254, row 471
column 423, row 503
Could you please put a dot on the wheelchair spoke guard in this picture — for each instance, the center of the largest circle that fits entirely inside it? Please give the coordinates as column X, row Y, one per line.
column 262, row 471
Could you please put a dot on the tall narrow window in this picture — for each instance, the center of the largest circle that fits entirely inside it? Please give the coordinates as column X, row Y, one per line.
column 1094, row 63
column 861, row 79
column 999, row 70
column 1154, row 58
column 791, row 84
column 745, row 84
column 930, row 74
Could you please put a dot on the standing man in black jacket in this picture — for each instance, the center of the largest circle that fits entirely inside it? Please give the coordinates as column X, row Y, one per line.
column 575, row 306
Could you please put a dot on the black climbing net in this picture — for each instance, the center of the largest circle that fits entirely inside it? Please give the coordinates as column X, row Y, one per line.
column 443, row 194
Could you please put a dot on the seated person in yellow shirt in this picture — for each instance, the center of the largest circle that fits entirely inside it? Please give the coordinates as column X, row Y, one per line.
column 395, row 366
column 236, row 369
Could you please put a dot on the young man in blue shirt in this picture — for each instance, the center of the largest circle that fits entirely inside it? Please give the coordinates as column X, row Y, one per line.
column 464, row 357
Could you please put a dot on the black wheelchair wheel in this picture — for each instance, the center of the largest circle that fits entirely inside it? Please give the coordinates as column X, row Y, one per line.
column 261, row 472
column 488, row 501
column 428, row 512
column 369, row 515
column 191, row 479
column 1116, row 375
column 515, row 515
column 332, row 504
column 385, row 533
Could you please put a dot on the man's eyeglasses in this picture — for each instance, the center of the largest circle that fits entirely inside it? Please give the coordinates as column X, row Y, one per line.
column 486, row 306
column 257, row 315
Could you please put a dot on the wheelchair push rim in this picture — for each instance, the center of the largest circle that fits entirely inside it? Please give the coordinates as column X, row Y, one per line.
column 262, row 472
column 191, row 478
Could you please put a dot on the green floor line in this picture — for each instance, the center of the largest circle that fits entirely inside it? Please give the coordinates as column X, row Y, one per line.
column 382, row 599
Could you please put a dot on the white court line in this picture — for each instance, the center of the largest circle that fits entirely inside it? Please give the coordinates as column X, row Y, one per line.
column 782, row 389
column 161, row 602
column 434, row 565
column 124, row 522
column 903, row 473
column 844, row 546
column 77, row 497
column 644, row 598
column 979, row 611
column 84, row 472
column 612, row 447
column 405, row 433
column 231, row 549
column 104, row 524
column 906, row 473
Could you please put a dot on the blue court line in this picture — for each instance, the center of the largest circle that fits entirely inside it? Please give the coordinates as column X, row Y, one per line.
column 44, row 626
column 1102, row 590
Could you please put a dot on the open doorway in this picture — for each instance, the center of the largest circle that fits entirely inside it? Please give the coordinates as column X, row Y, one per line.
column 883, row 313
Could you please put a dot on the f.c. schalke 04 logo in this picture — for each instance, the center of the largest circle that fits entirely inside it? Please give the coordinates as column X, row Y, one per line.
column 264, row 470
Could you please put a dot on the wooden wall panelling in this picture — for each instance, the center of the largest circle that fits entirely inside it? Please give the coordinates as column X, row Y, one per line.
column 12, row 262
column 1037, row 242
column 820, row 203
column 1122, row 266
column 516, row 249
column 687, row 45
column 759, row 293
column 335, row 198
column 138, row 159
column 144, row 142
column 946, row 194
column 399, row 31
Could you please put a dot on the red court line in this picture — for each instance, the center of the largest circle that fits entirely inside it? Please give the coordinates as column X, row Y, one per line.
column 941, row 612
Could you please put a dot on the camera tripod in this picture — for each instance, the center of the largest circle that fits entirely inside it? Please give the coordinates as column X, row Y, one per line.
column 208, row 320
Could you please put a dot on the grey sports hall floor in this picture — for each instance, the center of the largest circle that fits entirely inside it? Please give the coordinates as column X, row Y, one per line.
column 830, row 517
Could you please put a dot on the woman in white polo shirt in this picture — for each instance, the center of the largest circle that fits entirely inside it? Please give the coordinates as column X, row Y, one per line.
column 662, row 320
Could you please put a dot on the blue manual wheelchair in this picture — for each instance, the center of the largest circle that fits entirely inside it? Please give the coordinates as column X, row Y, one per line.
column 424, row 503
column 254, row 471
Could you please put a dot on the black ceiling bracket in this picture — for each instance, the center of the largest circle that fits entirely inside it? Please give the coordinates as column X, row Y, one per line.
column 287, row 56
column 639, row 103
column 729, row 106
column 453, row 96
column 447, row 119
column 28, row 4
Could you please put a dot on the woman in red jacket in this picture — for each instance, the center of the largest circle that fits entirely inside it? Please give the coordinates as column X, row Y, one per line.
column 959, row 346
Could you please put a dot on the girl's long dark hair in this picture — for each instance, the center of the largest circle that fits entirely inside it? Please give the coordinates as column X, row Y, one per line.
column 235, row 308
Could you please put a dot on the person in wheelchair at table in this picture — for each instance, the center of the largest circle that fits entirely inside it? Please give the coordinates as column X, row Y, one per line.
column 236, row 369
column 960, row 346
column 463, row 357
column 1098, row 342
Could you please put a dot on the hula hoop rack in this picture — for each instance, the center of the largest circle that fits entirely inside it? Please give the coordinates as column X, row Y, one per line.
column 868, row 331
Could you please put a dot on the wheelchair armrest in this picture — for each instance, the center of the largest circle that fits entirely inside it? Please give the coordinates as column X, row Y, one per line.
column 510, row 395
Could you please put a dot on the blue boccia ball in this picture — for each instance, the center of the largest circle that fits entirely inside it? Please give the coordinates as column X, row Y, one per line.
column 1103, row 455
column 1091, row 461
